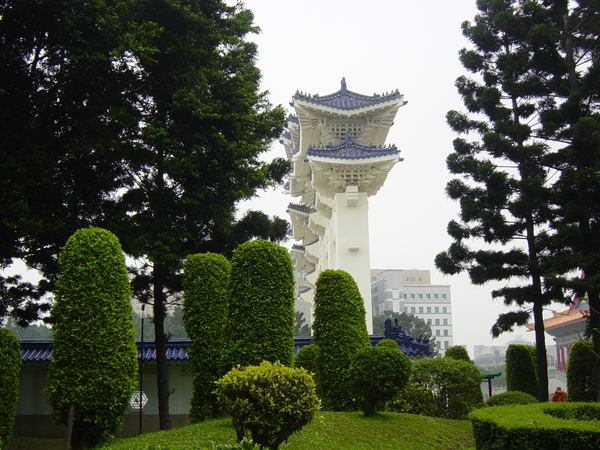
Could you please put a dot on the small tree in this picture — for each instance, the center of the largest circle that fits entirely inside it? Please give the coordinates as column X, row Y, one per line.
column 377, row 375
column 270, row 401
column 520, row 369
column 260, row 322
column 340, row 332
column 581, row 372
column 301, row 328
column 10, row 369
column 94, row 364
column 454, row 384
column 307, row 358
column 205, row 305
column 457, row 352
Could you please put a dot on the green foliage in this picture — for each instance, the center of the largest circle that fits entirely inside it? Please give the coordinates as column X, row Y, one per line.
column 205, row 305
column 340, row 332
column 387, row 343
column 270, row 401
column 260, row 321
column 31, row 331
column 455, row 385
column 581, row 372
column 301, row 328
column 174, row 327
column 520, row 369
column 511, row 398
column 94, row 362
column 457, row 352
column 538, row 426
column 10, row 370
column 414, row 399
column 307, row 358
column 377, row 374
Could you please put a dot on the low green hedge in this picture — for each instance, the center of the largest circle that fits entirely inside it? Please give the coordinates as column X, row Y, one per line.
column 564, row 426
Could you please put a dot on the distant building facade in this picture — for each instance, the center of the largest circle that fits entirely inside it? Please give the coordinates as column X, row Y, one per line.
column 411, row 292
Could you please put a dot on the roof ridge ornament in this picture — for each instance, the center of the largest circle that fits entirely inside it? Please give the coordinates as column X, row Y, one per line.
column 344, row 89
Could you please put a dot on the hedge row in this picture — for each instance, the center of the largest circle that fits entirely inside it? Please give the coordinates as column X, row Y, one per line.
column 541, row 426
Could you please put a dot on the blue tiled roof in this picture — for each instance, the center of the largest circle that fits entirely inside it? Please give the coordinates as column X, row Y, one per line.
column 301, row 208
column 349, row 149
column 346, row 100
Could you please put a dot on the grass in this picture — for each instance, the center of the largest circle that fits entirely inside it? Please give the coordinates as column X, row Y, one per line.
column 331, row 431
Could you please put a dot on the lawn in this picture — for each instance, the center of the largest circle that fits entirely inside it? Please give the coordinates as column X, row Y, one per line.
column 331, row 431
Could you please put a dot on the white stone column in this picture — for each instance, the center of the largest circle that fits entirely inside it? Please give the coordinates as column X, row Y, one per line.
column 351, row 219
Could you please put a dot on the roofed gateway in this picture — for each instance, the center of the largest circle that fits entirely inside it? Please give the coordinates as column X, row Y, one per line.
column 336, row 144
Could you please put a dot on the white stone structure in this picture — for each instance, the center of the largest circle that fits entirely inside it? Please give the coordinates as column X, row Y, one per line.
column 336, row 146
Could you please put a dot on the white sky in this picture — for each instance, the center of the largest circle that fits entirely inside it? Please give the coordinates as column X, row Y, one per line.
column 380, row 46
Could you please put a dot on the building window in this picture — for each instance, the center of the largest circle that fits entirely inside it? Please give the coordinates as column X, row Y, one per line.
column 412, row 295
column 445, row 332
column 437, row 332
column 445, row 322
column 429, row 309
column 412, row 309
column 435, row 296
column 444, row 310
column 420, row 295
column 427, row 295
column 428, row 321
column 403, row 295
column 421, row 309
column 443, row 295
column 437, row 321
column 445, row 344
column 437, row 309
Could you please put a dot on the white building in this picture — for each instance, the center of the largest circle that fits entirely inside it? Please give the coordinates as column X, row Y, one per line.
column 335, row 144
column 411, row 291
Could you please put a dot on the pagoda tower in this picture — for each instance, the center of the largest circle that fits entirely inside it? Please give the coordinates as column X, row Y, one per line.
column 336, row 145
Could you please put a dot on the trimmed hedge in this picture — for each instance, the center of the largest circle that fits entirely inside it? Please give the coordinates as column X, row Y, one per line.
column 307, row 358
column 377, row 375
column 541, row 426
column 457, row 352
column 414, row 399
column 581, row 372
column 260, row 322
column 270, row 402
column 340, row 332
column 94, row 362
column 10, row 370
column 521, row 374
column 455, row 385
column 511, row 398
column 205, row 305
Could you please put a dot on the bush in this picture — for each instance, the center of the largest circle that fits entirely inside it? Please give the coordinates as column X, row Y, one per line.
column 307, row 358
column 540, row 426
column 10, row 370
column 205, row 306
column 454, row 384
column 377, row 375
column 270, row 401
column 457, row 352
column 581, row 372
column 521, row 374
column 260, row 322
column 340, row 332
column 414, row 399
column 94, row 362
column 387, row 343
column 511, row 398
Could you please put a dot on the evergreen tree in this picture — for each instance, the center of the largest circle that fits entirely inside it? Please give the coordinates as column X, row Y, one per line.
column 301, row 328
column 504, row 190
column 10, row 369
column 521, row 370
column 93, row 369
column 581, row 372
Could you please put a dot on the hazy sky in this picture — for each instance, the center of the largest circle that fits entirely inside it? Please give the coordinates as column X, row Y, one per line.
column 380, row 46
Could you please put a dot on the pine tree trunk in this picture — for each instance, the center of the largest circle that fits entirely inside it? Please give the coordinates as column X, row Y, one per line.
column 162, row 375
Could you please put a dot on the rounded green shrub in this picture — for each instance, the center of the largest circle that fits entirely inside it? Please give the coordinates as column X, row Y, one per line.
column 377, row 375
column 307, row 358
column 387, row 343
column 10, row 370
column 340, row 332
column 270, row 402
column 455, row 385
column 414, row 399
column 521, row 374
column 94, row 362
column 205, row 305
column 260, row 321
column 457, row 352
column 581, row 372
column 511, row 398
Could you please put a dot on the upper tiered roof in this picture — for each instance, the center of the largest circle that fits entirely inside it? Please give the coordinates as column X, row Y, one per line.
column 348, row 100
column 350, row 149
